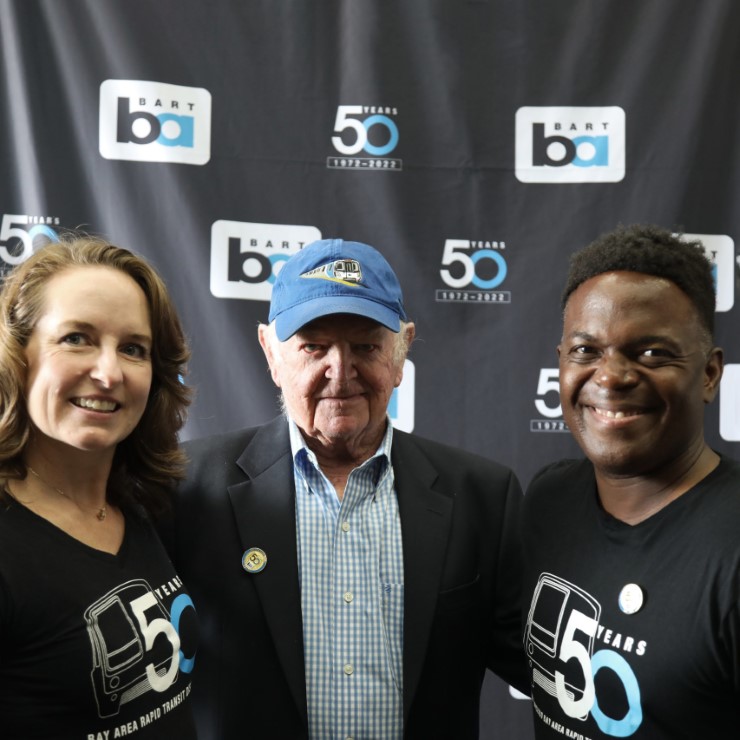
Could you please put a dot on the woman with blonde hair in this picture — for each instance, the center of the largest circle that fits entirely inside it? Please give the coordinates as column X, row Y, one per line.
column 97, row 632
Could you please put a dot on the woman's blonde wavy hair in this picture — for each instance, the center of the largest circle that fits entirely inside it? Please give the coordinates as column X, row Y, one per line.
column 149, row 462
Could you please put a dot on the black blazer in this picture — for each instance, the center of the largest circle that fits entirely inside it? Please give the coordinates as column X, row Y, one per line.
column 459, row 520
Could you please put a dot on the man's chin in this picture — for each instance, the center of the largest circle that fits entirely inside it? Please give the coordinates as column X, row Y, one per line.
column 341, row 430
column 345, row 429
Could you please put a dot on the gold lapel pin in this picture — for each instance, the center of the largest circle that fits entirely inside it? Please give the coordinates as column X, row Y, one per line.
column 254, row 560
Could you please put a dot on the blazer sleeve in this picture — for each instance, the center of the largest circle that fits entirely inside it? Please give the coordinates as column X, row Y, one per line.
column 506, row 655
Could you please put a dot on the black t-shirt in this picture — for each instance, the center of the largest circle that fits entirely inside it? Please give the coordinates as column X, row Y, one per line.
column 633, row 631
column 93, row 646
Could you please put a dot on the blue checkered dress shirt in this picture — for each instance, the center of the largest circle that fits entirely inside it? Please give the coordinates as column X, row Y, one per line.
column 350, row 565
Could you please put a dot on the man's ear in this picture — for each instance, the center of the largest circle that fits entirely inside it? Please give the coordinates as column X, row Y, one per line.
column 713, row 373
column 266, row 336
column 409, row 334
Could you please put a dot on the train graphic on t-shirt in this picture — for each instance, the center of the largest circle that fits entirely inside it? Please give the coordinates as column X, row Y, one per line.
column 134, row 645
column 553, row 602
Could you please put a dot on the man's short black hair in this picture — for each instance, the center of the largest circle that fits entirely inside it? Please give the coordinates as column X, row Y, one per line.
column 650, row 250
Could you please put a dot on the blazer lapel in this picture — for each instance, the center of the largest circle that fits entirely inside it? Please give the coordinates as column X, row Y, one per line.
column 425, row 522
column 264, row 507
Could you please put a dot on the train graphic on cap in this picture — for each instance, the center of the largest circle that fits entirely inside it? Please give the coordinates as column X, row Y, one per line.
column 346, row 271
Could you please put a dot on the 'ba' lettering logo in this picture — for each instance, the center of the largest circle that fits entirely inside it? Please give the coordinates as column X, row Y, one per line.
column 247, row 257
column 720, row 249
column 570, row 144
column 154, row 122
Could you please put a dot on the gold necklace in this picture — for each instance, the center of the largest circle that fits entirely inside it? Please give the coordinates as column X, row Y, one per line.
column 102, row 511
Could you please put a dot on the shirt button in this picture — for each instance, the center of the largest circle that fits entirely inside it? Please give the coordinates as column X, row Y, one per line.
column 348, row 597
column 349, row 669
column 345, row 526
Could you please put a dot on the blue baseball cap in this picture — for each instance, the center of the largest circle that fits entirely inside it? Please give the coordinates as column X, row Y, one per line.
column 335, row 276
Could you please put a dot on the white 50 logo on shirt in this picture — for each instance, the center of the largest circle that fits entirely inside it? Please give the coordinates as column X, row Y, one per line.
column 570, row 144
column 246, row 257
column 562, row 627
column 154, row 122
column 729, row 404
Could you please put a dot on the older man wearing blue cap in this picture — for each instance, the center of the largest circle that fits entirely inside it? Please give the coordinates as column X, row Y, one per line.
column 353, row 581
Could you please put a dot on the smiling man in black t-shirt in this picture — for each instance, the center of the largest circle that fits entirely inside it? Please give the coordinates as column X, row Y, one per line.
column 633, row 628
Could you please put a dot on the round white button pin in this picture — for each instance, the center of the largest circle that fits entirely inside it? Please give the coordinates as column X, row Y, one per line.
column 631, row 599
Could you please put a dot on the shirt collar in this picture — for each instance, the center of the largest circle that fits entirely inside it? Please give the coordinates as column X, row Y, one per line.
column 302, row 455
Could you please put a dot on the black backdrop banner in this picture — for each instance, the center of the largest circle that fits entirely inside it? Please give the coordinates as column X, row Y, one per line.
column 476, row 143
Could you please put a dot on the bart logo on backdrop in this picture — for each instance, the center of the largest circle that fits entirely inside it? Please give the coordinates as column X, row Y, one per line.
column 246, row 257
column 364, row 136
column 154, row 122
column 473, row 271
column 570, row 144
column 21, row 235
column 721, row 251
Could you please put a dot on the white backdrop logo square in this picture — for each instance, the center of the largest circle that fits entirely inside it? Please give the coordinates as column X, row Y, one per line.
column 729, row 404
column 721, row 251
column 154, row 122
column 246, row 257
column 570, row 144
column 401, row 404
